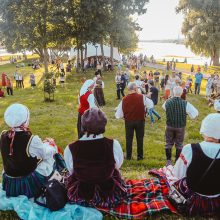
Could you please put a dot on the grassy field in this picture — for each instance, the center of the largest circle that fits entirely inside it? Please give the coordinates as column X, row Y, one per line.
column 58, row 119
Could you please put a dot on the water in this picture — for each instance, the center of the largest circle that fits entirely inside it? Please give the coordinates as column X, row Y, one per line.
column 170, row 51
column 161, row 51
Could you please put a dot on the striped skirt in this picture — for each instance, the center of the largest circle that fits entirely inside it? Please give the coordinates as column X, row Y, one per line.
column 198, row 204
column 30, row 185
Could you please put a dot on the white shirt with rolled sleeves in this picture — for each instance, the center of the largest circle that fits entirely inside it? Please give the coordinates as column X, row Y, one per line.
column 190, row 110
column 148, row 103
column 117, row 150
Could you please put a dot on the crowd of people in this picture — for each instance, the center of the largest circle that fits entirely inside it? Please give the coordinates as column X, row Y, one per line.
column 92, row 163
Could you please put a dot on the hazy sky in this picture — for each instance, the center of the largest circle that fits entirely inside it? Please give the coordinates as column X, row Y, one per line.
column 160, row 21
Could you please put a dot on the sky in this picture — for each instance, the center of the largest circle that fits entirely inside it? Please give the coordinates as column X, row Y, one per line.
column 160, row 21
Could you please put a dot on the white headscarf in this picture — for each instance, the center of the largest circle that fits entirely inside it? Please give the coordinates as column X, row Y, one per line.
column 17, row 115
column 210, row 126
column 85, row 86
column 217, row 105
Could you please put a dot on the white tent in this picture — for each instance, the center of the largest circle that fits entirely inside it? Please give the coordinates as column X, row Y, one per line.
column 91, row 52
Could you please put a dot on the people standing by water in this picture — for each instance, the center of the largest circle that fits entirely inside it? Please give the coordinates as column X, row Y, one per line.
column 177, row 110
column 198, row 81
column 132, row 110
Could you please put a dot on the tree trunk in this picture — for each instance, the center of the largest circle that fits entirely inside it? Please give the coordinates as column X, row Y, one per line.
column 102, row 52
column 215, row 60
column 215, row 57
column 111, row 54
column 81, row 57
column 45, row 60
column 85, row 56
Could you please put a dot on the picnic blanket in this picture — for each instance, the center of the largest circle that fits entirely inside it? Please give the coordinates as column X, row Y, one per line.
column 144, row 198
column 28, row 210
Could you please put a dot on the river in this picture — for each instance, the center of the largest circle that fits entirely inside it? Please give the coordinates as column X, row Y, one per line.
column 168, row 51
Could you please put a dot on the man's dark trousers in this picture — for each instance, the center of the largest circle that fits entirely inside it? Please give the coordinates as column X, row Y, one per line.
column 138, row 127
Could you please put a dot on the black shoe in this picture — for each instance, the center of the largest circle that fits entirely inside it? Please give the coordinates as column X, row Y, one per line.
column 140, row 158
column 159, row 118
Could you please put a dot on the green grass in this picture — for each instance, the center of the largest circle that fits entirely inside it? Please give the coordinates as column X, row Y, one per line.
column 58, row 119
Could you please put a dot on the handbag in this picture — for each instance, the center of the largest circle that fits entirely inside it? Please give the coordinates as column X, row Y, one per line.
column 178, row 200
column 54, row 194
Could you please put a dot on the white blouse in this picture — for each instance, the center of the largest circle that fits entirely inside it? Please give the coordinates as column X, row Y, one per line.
column 43, row 150
column 178, row 171
column 117, row 150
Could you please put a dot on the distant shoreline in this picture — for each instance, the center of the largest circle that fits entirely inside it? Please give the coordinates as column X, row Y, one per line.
column 175, row 41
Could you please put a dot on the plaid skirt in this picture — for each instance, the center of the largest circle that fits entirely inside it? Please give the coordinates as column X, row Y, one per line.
column 198, row 204
column 30, row 185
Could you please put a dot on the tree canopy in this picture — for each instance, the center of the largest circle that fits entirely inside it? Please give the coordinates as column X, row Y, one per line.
column 202, row 26
column 41, row 24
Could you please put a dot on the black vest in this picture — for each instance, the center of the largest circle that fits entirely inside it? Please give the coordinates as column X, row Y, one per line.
column 20, row 163
column 94, row 167
column 210, row 185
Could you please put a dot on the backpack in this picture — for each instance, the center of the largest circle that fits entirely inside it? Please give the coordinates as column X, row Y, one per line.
column 55, row 194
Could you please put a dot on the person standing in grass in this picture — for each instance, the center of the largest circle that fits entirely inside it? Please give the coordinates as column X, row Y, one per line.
column 198, row 81
column 209, row 86
column 9, row 86
column 132, row 109
column 2, row 94
column 32, row 80
column 86, row 101
column 177, row 110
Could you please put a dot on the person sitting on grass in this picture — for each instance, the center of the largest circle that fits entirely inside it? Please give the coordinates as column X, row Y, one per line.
column 196, row 173
column 27, row 160
column 95, row 181
column 93, row 162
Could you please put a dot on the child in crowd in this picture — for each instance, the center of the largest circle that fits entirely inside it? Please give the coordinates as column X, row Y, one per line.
column 189, row 84
column 183, row 96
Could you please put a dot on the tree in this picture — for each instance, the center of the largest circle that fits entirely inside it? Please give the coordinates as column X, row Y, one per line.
column 202, row 27
column 32, row 25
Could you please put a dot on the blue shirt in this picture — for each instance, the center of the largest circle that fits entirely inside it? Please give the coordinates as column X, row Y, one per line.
column 199, row 77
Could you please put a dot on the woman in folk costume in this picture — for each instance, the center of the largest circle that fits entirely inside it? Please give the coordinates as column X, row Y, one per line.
column 196, row 173
column 93, row 162
column 27, row 160
column 98, row 91
column 86, row 101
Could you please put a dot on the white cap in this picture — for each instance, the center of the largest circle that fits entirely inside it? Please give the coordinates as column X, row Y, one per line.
column 211, row 126
column 17, row 115
column 217, row 105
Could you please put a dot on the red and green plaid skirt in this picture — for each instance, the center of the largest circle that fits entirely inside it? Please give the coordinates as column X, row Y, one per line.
column 144, row 198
